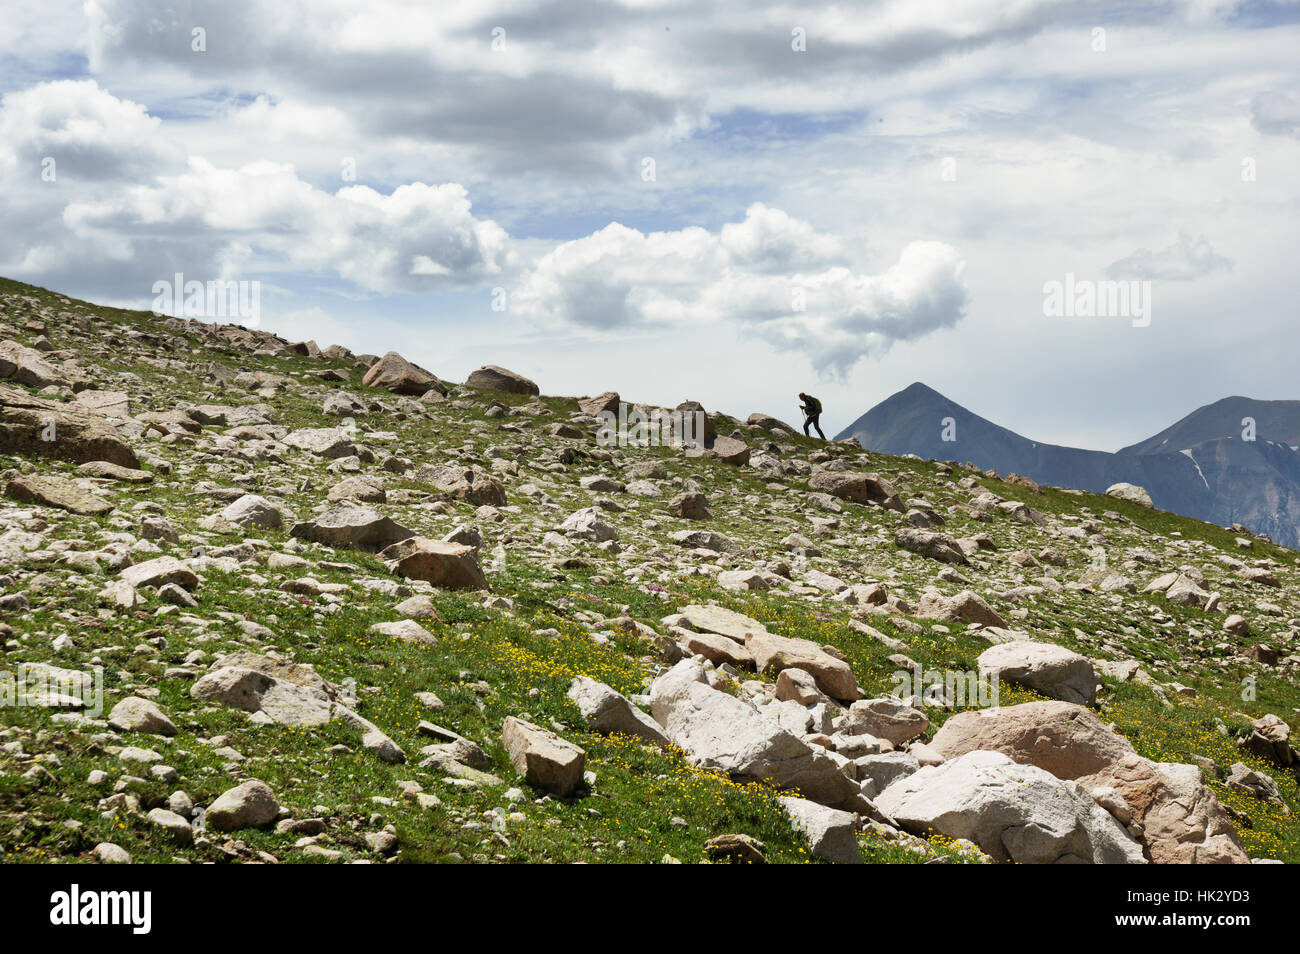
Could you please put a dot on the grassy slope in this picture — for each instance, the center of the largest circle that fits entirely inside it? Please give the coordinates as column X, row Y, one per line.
column 646, row 804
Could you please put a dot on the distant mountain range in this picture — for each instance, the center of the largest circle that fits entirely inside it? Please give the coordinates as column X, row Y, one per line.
column 1203, row 466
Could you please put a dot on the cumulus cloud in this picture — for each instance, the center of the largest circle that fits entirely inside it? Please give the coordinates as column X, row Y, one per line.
column 417, row 238
column 567, row 87
column 126, row 205
column 770, row 275
column 1187, row 259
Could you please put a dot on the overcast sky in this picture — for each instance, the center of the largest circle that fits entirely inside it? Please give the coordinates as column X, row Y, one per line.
column 729, row 202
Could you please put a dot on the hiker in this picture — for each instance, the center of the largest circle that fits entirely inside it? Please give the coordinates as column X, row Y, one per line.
column 812, row 409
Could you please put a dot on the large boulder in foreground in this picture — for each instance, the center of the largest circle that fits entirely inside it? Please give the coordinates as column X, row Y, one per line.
column 394, row 373
column 725, row 734
column 34, row 427
column 1183, row 822
column 346, row 524
column 1062, row 738
column 495, row 378
column 1052, row 670
column 1014, row 812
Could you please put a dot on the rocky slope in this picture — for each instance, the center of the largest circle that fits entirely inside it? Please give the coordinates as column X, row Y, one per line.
column 344, row 610
column 1200, row 466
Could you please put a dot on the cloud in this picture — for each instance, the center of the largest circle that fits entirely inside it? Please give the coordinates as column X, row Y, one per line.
column 572, row 88
column 1187, row 259
column 771, row 276
column 1276, row 113
column 127, row 205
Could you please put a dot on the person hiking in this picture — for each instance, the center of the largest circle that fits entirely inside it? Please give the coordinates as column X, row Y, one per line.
column 812, row 409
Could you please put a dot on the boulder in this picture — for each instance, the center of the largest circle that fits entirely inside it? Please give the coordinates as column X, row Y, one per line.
column 607, row 711
column 1131, row 493
column 1270, row 739
column 728, row 450
column 1013, row 812
column 34, row 427
column 1059, row 737
column 850, row 485
column 108, row 403
column 346, row 524
column 768, row 422
column 134, row 714
column 704, row 540
column 832, row 834
column 878, row 771
column 718, row 619
column 394, row 373
column 27, row 366
column 796, row 685
column 363, row 489
column 1186, row 592
column 407, row 630
column 886, row 718
column 717, row 649
column 59, row 492
column 249, row 805
column 737, row 848
column 586, row 524
column 545, row 760
column 159, row 572
column 253, row 512
column 834, row 676
column 289, row 695
column 328, row 442
column 172, row 823
column 1052, row 670
column 966, row 607
column 494, row 378
column 690, row 506
column 1182, row 822
column 1243, row 778
column 103, row 469
column 724, row 734
column 452, row 566
column 464, row 483
column 928, row 543
column 594, row 406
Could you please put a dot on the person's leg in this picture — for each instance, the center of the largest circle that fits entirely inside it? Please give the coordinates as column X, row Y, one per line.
column 816, row 422
column 806, row 421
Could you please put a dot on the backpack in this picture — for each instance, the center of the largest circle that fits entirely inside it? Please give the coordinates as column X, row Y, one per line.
column 814, row 406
